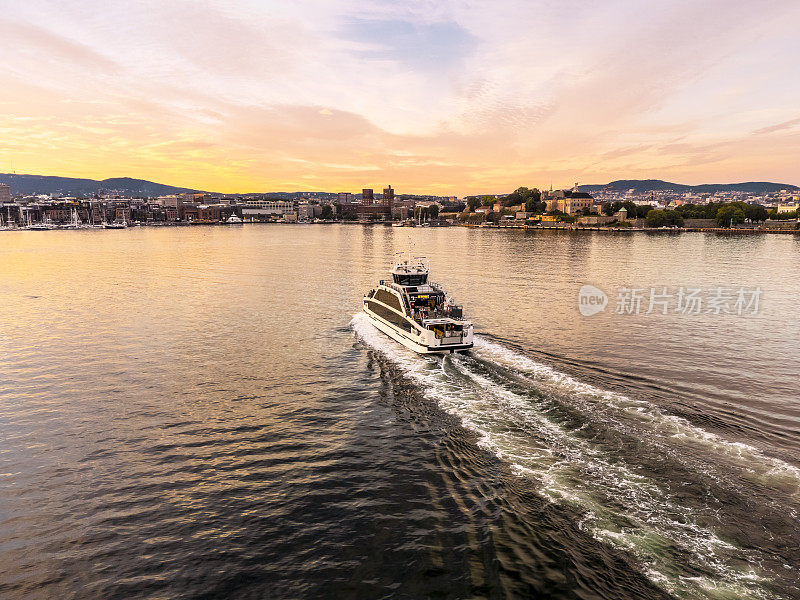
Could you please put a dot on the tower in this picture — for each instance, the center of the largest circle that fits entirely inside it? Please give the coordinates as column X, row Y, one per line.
column 388, row 196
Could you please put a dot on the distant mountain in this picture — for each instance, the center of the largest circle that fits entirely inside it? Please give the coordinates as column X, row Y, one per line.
column 657, row 185
column 42, row 184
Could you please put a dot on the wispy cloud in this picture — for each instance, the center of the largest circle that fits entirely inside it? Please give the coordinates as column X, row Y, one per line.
column 453, row 96
column 790, row 124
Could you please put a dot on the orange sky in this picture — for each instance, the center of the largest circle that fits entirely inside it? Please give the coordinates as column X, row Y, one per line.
column 448, row 98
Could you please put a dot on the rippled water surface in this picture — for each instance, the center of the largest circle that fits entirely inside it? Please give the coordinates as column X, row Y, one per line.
column 202, row 413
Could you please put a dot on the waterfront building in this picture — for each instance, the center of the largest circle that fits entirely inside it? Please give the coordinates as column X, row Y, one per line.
column 388, row 196
column 373, row 212
column 403, row 209
column 452, row 204
column 267, row 209
column 344, row 198
column 570, row 201
column 308, row 212
column 202, row 213
column 193, row 197
column 369, row 209
column 170, row 201
column 191, row 214
column 122, row 213
column 5, row 193
column 272, row 206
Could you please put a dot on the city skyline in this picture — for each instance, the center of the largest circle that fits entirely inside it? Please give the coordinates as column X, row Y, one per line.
column 450, row 100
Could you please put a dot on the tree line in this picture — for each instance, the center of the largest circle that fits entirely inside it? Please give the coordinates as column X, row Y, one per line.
column 725, row 214
column 530, row 197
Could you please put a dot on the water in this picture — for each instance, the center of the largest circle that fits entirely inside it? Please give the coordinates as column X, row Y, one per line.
column 202, row 413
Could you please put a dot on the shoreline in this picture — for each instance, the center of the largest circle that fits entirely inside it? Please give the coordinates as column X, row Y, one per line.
column 566, row 228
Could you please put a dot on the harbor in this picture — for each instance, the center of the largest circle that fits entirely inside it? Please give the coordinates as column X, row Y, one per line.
column 530, row 209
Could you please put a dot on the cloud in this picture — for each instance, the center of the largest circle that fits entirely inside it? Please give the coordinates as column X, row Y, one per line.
column 28, row 40
column 449, row 96
column 779, row 127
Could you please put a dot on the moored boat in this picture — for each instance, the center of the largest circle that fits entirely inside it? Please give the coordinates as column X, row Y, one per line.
column 40, row 227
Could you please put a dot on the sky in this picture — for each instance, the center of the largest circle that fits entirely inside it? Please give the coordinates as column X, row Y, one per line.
column 444, row 97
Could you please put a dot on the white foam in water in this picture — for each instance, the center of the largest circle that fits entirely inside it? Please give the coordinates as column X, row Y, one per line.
column 621, row 506
column 752, row 460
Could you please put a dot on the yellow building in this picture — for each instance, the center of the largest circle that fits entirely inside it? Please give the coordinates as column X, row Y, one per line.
column 569, row 202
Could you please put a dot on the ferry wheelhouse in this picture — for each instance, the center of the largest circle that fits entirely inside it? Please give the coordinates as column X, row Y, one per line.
column 417, row 313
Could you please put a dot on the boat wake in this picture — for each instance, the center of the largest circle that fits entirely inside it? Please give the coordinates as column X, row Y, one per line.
column 642, row 480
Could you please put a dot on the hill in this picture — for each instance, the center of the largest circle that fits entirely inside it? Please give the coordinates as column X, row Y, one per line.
column 657, row 185
column 71, row 186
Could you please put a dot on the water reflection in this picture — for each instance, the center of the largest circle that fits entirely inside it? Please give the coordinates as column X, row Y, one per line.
column 194, row 396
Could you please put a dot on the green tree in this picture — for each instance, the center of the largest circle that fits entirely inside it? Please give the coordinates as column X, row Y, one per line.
column 433, row 211
column 729, row 215
column 674, row 218
column 656, row 218
column 518, row 196
column 711, row 209
column 533, row 202
column 473, row 202
column 755, row 212
column 664, row 218
column 488, row 200
column 609, row 208
column 327, row 212
column 783, row 216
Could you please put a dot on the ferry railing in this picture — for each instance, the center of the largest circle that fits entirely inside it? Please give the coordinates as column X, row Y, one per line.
column 439, row 313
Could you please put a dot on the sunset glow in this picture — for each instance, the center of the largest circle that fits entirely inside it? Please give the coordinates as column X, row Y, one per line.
column 446, row 98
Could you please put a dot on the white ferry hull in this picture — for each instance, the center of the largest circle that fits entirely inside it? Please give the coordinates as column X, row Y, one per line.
column 409, row 342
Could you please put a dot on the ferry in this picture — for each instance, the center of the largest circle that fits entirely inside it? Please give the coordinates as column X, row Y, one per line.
column 416, row 312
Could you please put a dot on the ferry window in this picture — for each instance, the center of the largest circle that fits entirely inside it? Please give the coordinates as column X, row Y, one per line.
column 389, row 300
column 410, row 279
column 390, row 316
